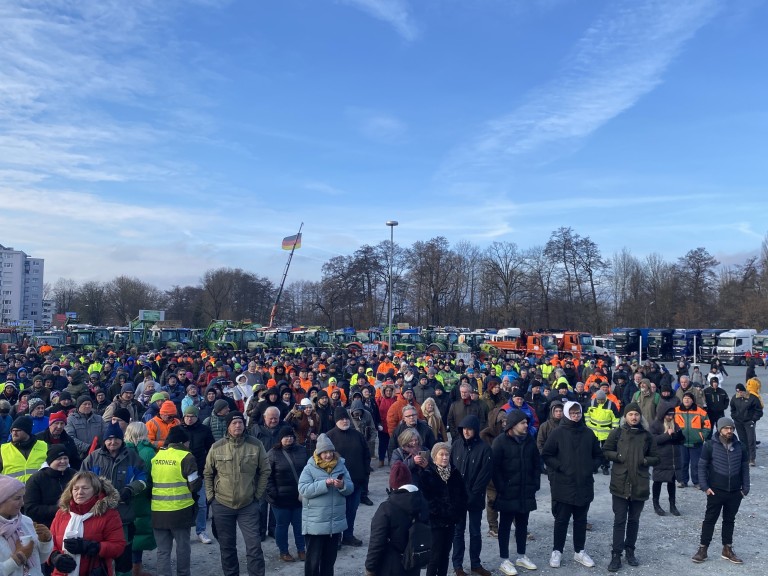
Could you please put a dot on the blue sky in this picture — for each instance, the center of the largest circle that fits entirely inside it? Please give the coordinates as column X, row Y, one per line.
column 162, row 138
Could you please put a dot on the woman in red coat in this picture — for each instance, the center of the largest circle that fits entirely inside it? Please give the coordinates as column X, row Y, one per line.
column 87, row 530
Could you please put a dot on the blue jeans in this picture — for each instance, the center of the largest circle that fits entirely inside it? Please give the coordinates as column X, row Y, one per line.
column 475, row 540
column 353, row 503
column 283, row 518
column 689, row 457
column 202, row 513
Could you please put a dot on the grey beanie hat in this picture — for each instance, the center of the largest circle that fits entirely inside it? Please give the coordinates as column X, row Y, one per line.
column 725, row 422
column 324, row 444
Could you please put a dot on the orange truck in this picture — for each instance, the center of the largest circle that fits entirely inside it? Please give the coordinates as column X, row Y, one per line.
column 516, row 341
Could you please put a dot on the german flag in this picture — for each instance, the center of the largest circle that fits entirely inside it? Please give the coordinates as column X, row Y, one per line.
column 289, row 242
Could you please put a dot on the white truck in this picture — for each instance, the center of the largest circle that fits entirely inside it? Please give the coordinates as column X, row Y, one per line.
column 733, row 345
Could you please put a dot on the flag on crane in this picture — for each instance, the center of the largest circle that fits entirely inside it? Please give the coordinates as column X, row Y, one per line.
column 291, row 242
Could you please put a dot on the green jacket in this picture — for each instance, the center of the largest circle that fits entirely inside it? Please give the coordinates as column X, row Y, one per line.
column 144, row 539
column 633, row 451
column 236, row 471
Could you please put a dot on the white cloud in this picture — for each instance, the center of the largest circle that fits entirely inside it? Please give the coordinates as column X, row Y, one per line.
column 377, row 126
column 619, row 59
column 397, row 13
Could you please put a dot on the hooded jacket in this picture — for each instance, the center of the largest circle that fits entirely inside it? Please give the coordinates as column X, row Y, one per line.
column 324, row 508
column 571, row 454
column 473, row 459
column 389, row 531
column 546, row 429
column 633, row 451
column 364, row 423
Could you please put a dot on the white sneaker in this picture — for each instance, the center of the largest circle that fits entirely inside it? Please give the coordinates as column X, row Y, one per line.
column 525, row 562
column 508, row 568
column 584, row 559
column 554, row 560
column 203, row 537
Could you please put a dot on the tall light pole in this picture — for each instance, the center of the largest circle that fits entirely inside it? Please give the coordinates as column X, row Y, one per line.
column 651, row 303
column 391, row 224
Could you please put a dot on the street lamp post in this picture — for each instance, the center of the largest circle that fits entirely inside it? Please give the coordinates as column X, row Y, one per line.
column 651, row 303
column 391, row 224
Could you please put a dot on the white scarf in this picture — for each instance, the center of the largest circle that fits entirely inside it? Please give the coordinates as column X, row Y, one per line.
column 74, row 529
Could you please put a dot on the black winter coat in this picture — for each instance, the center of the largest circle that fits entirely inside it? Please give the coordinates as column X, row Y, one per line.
column 44, row 487
column 447, row 500
column 200, row 441
column 389, row 532
column 282, row 485
column 571, row 453
column 67, row 441
column 353, row 447
column 473, row 459
column 516, row 473
column 669, row 458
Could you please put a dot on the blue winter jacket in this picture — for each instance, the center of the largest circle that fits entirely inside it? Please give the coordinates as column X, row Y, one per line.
column 324, row 508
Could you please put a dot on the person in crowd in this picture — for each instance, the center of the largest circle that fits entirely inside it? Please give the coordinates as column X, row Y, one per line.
column 37, row 413
column 647, row 400
column 305, row 424
column 571, row 453
column 83, row 426
column 126, row 399
column 5, row 421
column 159, row 426
column 497, row 419
column 384, row 403
column 472, row 457
column 391, row 523
column 25, row 545
column 601, row 419
column 633, row 451
column 125, row 471
column 746, row 410
column 724, row 476
column 175, row 483
column 351, row 445
column 286, row 462
column 446, row 495
column 87, row 532
column 44, row 487
column 135, row 436
column 410, row 419
column 236, row 475
column 517, row 478
column 669, row 437
column 463, row 407
column 217, row 421
column 200, row 441
column 24, row 454
column 324, row 485
column 717, row 400
column 687, row 388
column 412, row 452
column 696, row 429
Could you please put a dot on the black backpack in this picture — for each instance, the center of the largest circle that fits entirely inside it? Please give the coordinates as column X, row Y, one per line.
column 418, row 551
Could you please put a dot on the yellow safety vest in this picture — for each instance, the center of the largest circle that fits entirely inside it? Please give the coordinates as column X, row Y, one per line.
column 16, row 466
column 601, row 421
column 169, row 487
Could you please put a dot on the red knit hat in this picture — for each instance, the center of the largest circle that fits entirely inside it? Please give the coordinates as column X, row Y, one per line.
column 59, row 416
column 399, row 476
column 168, row 407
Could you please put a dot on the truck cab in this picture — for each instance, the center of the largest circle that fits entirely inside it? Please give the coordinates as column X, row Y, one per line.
column 685, row 343
column 733, row 345
column 709, row 343
column 660, row 344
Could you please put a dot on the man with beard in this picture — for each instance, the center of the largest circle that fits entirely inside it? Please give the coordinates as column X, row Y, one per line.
column 724, row 476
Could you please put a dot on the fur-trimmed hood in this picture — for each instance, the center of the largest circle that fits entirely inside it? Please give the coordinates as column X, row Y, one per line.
column 108, row 498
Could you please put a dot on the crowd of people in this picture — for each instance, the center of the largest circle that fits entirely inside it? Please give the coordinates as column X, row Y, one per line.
column 108, row 455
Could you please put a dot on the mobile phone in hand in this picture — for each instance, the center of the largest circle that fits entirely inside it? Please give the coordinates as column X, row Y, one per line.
column 340, row 476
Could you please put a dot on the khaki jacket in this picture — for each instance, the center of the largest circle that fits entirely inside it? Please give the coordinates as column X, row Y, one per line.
column 236, row 471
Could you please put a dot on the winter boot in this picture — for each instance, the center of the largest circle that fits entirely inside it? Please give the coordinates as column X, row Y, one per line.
column 701, row 554
column 729, row 554
column 629, row 554
column 673, row 509
column 615, row 562
column 658, row 509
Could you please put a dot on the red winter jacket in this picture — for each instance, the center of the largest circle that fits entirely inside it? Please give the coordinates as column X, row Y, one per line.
column 104, row 527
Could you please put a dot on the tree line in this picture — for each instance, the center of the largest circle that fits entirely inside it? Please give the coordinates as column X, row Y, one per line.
column 565, row 283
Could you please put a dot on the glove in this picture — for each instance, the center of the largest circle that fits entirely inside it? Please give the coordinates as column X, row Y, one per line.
column 43, row 534
column 63, row 562
column 82, row 546
column 24, row 550
column 126, row 495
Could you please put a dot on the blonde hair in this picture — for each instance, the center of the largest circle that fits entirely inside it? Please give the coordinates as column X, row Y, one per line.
column 95, row 481
column 135, row 432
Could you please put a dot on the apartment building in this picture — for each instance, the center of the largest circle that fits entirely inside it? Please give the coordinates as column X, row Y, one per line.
column 21, row 288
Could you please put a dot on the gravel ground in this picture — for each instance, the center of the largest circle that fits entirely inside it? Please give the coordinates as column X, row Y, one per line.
column 664, row 544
